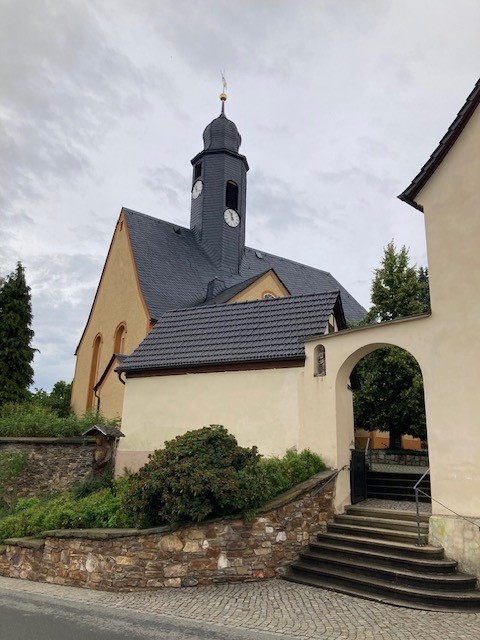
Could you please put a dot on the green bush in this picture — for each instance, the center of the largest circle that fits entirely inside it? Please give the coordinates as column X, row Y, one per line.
column 31, row 419
column 58, row 400
column 31, row 516
column 203, row 473
column 284, row 473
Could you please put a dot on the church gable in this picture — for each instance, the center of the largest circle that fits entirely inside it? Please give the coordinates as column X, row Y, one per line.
column 117, row 322
column 266, row 286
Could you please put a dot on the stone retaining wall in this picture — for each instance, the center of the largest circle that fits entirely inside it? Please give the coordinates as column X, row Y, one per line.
column 223, row 550
column 54, row 464
column 406, row 459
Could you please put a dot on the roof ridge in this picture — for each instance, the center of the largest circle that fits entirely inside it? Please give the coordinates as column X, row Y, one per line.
column 253, row 302
column 155, row 219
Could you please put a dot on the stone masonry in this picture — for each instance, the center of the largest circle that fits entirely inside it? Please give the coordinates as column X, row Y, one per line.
column 54, row 464
column 215, row 551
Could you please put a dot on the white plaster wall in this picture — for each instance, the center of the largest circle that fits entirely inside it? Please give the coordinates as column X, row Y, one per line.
column 259, row 407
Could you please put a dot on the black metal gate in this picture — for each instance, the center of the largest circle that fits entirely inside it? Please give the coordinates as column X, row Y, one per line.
column 358, row 476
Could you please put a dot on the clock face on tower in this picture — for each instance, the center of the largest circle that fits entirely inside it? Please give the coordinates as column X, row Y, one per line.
column 197, row 189
column 231, row 217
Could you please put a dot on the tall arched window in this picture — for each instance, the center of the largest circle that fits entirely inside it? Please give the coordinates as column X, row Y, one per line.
column 119, row 342
column 231, row 195
column 97, row 343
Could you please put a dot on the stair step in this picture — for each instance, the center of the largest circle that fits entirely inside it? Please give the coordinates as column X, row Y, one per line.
column 388, row 593
column 389, row 534
column 396, row 474
column 373, row 553
column 398, row 558
column 426, row 551
column 320, row 561
column 381, row 523
column 392, row 514
column 397, row 496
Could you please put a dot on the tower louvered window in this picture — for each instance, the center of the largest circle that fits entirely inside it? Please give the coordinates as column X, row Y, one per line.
column 231, row 195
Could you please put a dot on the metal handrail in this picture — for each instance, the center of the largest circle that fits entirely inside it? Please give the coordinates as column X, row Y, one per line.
column 417, row 506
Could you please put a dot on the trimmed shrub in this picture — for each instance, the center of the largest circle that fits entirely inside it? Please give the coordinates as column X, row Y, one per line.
column 203, row 473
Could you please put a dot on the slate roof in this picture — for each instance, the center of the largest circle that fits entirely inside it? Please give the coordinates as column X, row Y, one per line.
column 174, row 271
column 260, row 330
column 445, row 144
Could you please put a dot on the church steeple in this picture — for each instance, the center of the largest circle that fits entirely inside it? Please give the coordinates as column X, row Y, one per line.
column 219, row 188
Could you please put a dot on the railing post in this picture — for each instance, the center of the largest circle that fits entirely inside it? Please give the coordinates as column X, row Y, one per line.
column 417, row 506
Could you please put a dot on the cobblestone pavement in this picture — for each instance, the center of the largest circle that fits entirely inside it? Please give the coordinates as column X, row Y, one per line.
column 278, row 607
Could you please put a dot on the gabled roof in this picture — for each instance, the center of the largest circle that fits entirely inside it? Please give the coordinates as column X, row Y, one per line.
column 228, row 294
column 246, row 332
column 174, row 271
column 443, row 148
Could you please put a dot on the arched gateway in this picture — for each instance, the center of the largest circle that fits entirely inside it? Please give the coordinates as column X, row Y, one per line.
column 328, row 403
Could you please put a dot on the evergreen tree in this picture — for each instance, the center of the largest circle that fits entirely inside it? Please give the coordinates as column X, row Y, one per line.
column 396, row 288
column 424, row 294
column 391, row 395
column 16, row 352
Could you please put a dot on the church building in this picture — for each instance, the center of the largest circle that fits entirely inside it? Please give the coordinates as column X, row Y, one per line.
column 156, row 270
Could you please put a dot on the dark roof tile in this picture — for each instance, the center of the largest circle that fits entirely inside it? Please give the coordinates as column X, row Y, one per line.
column 174, row 271
column 233, row 333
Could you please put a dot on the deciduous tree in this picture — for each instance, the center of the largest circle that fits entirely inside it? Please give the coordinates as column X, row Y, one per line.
column 391, row 396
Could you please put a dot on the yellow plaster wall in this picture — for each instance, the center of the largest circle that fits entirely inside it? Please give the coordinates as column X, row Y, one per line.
column 268, row 283
column 259, row 407
column 118, row 299
column 451, row 201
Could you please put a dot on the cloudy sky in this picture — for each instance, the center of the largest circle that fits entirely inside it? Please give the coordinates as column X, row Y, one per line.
column 103, row 104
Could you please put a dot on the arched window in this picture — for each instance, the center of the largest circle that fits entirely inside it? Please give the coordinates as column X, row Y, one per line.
column 119, row 342
column 97, row 343
column 320, row 365
column 231, row 195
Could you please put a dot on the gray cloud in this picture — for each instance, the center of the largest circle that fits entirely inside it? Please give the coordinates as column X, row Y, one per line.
column 103, row 104
column 62, row 89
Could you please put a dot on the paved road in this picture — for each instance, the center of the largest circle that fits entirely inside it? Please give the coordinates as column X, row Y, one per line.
column 260, row 610
column 41, row 617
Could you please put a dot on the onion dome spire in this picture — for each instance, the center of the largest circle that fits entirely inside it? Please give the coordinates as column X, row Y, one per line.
column 222, row 133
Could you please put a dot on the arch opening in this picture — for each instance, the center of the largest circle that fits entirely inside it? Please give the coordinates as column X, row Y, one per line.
column 389, row 403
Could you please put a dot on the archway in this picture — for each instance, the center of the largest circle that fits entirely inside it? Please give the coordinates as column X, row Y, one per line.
column 389, row 399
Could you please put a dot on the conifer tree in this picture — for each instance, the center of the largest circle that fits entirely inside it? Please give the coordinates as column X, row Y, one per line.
column 391, row 395
column 16, row 352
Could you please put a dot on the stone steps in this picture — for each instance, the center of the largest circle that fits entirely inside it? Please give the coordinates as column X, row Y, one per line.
column 373, row 554
column 396, row 486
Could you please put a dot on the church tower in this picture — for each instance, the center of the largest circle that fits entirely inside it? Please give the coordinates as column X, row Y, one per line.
column 219, row 190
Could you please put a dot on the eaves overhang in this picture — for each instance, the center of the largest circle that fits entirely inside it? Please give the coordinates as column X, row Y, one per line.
column 444, row 146
column 212, row 367
column 228, row 152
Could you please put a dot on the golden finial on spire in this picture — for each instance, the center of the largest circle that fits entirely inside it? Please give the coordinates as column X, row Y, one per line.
column 223, row 95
